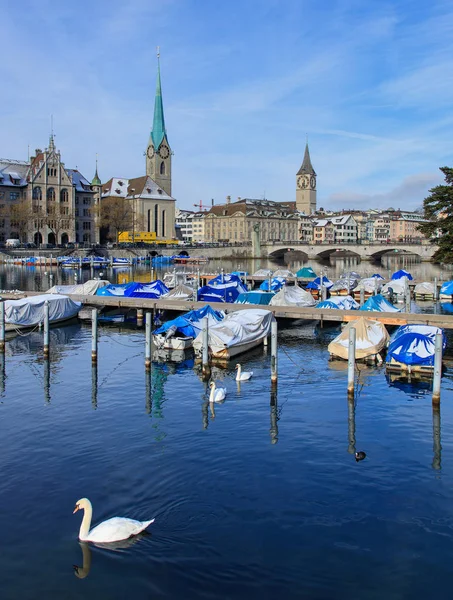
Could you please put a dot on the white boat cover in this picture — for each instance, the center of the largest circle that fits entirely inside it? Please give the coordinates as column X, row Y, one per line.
column 370, row 284
column 89, row 288
column 371, row 338
column 263, row 273
column 180, row 292
column 237, row 329
column 292, row 296
column 425, row 287
column 344, row 283
column 28, row 312
column 283, row 273
column 398, row 286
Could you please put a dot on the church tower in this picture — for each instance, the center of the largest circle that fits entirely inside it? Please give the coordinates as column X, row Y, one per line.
column 306, row 186
column 158, row 153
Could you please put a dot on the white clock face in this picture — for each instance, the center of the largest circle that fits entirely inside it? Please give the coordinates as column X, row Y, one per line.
column 150, row 151
column 312, row 182
column 164, row 152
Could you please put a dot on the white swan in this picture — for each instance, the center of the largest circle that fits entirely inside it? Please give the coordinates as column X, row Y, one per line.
column 112, row 530
column 217, row 393
column 242, row 376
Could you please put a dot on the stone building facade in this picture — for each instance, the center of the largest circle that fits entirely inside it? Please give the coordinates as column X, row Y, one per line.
column 306, row 186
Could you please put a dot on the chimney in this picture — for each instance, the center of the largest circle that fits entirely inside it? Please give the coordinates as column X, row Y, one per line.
column 212, row 201
column 239, row 198
column 228, row 199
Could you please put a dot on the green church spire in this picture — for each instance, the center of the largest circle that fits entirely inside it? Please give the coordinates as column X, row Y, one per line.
column 96, row 179
column 158, row 132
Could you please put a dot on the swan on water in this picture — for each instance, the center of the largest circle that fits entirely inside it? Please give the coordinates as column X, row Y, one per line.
column 242, row 375
column 112, row 530
column 217, row 393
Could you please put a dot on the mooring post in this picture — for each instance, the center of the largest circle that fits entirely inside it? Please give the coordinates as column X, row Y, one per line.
column 435, row 289
column 2, row 326
column 269, row 282
column 205, row 369
column 351, row 361
column 148, row 341
column 92, row 262
column 274, row 362
column 94, row 335
column 140, row 317
column 46, row 329
column 408, row 297
column 362, row 295
column 437, row 368
column 351, row 426
column 323, row 291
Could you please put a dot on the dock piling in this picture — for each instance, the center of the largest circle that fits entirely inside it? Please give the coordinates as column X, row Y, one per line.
column 2, row 326
column 205, row 368
column 148, row 341
column 435, row 289
column 351, row 361
column 274, row 362
column 46, row 329
column 362, row 295
column 407, row 295
column 437, row 368
column 140, row 317
column 94, row 335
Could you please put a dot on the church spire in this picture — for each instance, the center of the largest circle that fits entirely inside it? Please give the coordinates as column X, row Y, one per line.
column 158, row 132
column 96, row 178
column 307, row 167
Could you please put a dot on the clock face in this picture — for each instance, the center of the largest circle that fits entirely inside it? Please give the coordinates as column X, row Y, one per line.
column 312, row 182
column 301, row 182
column 150, row 151
column 164, row 152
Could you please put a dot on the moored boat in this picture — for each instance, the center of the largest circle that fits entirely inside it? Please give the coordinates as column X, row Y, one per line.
column 371, row 340
column 412, row 348
column 179, row 333
column 28, row 312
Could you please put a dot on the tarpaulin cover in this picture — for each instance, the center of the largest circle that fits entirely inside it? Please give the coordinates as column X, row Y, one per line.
column 263, row 273
column 155, row 289
column 401, row 273
column 339, row 302
column 89, row 288
column 237, row 329
column 283, row 273
column 223, row 288
column 414, row 344
column 379, row 304
column 190, row 324
column 425, row 287
column 447, row 288
column 255, row 297
column 306, row 272
column 350, row 275
column 276, row 284
column 398, row 286
column 316, row 283
column 180, row 292
column 28, row 312
column 377, row 276
column 345, row 283
column 292, row 296
column 370, row 284
column 371, row 338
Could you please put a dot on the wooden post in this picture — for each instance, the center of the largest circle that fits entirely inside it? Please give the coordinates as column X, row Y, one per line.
column 274, row 361
column 205, row 369
column 46, row 329
column 408, row 297
column 362, row 295
column 351, row 361
column 148, row 341
column 437, row 368
column 2, row 326
column 435, row 289
column 94, row 335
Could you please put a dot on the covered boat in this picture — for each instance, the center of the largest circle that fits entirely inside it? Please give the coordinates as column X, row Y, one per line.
column 283, row 273
column 263, row 273
column 379, row 304
column 223, row 288
column 344, row 285
column 446, row 291
column 339, row 302
column 316, row 283
column 412, row 348
column 179, row 333
column 401, row 273
column 292, row 296
column 276, row 284
column 89, row 288
column 370, row 285
column 154, row 289
column 306, row 273
column 371, row 340
column 29, row 312
column 424, row 290
column 396, row 287
column 181, row 292
column 255, row 297
column 238, row 332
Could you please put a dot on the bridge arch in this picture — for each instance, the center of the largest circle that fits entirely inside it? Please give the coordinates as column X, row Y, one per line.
column 280, row 252
column 333, row 250
column 391, row 252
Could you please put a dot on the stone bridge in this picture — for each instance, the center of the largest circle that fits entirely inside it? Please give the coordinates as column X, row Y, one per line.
column 372, row 251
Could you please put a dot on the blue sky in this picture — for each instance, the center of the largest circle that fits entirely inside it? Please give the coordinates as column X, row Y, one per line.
column 244, row 83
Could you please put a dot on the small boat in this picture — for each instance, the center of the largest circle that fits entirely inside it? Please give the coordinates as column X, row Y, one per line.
column 370, row 286
column 371, row 339
column 223, row 288
column 89, row 288
column 412, row 348
column 379, row 304
column 181, row 292
column 344, row 285
column 28, row 312
column 238, row 332
column 396, row 288
column 179, row 333
column 306, row 273
column 424, row 291
column 154, row 289
column 339, row 302
column 446, row 291
column 401, row 273
column 255, row 297
column 292, row 296
column 276, row 283
column 190, row 260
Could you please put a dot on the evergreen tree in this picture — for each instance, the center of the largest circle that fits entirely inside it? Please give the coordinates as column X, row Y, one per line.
column 438, row 210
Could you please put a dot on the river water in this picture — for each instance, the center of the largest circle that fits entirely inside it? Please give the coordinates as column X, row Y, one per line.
column 259, row 497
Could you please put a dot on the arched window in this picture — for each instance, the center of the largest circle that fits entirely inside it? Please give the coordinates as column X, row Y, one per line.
column 162, row 168
column 64, row 238
column 156, row 219
column 163, row 223
column 37, row 193
column 51, row 194
column 64, row 195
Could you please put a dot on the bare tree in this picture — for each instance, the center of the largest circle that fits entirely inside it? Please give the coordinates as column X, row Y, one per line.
column 20, row 216
column 57, row 223
column 116, row 214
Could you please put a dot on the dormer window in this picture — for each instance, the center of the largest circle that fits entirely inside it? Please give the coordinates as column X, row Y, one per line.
column 120, row 183
column 118, row 191
column 148, row 190
column 159, row 191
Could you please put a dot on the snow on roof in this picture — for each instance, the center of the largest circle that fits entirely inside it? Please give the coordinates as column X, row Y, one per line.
column 13, row 173
column 78, row 180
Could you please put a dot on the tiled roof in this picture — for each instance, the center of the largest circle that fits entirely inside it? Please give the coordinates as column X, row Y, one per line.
column 78, row 181
column 13, row 173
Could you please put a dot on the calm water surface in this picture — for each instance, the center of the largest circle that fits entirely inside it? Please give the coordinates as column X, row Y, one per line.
column 260, row 497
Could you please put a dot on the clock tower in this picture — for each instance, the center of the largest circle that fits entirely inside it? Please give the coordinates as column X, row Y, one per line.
column 158, row 153
column 306, row 186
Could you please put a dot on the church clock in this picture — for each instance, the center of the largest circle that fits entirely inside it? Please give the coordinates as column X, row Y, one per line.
column 150, row 151
column 164, row 152
column 312, row 182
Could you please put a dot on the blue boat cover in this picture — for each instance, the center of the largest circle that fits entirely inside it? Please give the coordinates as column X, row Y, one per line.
column 276, row 284
column 380, row 304
column 306, row 272
column 447, row 288
column 155, row 289
column 377, row 276
column 255, row 297
column 446, row 307
column 161, row 260
column 339, row 302
column 223, row 288
column 401, row 273
column 190, row 324
column 414, row 344
column 316, row 283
